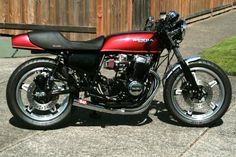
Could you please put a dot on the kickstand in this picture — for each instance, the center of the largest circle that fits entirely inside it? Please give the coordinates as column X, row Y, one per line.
column 13, row 55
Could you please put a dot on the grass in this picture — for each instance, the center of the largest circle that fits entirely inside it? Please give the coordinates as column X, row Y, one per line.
column 223, row 54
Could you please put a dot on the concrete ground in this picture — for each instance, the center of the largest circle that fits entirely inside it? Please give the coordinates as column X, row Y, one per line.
column 156, row 135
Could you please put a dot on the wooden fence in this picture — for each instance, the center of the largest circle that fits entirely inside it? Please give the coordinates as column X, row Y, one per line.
column 134, row 18
column 88, row 18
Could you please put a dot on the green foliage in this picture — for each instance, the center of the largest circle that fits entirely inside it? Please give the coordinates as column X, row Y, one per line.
column 223, row 54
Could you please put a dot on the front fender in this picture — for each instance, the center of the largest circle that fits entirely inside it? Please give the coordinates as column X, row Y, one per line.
column 177, row 66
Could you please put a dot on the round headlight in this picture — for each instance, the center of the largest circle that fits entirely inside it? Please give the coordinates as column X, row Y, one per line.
column 180, row 28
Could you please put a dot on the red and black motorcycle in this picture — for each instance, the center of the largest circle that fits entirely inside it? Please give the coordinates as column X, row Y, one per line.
column 116, row 74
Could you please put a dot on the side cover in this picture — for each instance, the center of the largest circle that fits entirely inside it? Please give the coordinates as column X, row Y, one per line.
column 131, row 42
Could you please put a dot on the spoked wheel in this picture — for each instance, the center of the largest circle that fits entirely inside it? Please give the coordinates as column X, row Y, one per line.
column 205, row 106
column 30, row 98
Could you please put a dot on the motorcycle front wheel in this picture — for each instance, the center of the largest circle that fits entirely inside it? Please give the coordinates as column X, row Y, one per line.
column 29, row 98
column 211, row 104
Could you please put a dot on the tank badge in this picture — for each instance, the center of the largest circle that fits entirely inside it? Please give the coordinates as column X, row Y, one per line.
column 142, row 40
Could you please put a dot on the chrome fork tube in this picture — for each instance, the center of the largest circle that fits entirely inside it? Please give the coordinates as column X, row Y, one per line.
column 186, row 70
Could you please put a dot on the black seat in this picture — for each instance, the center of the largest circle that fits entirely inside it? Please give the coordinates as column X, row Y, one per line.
column 51, row 40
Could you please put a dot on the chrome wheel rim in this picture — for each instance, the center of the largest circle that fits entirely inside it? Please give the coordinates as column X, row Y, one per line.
column 209, row 105
column 43, row 111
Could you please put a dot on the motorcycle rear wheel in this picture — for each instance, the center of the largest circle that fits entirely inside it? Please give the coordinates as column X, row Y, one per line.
column 215, row 86
column 26, row 101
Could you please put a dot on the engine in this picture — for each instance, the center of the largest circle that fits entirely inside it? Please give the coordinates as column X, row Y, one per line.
column 131, row 72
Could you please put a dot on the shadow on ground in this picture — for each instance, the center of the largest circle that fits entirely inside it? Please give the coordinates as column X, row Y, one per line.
column 82, row 117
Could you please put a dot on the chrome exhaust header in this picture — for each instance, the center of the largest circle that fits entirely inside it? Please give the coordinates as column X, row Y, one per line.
column 122, row 111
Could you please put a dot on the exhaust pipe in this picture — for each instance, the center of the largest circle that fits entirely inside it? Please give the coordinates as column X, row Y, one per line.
column 123, row 111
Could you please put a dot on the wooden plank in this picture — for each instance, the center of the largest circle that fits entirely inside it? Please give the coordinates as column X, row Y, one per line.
column 4, row 12
column 114, row 16
column 99, row 17
column 14, row 14
column 105, row 20
column 52, row 12
column 28, row 11
column 71, row 17
column 153, row 7
column 78, row 29
column 185, row 11
column 80, row 15
column 141, row 11
column 125, row 25
column 42, row 11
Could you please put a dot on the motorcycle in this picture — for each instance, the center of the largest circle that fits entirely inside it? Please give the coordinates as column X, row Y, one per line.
column 117, row 74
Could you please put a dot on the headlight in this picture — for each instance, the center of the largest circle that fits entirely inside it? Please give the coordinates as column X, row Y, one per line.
column 181, row 26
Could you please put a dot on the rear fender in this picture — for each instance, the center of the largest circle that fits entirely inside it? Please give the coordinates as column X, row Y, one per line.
column 22, row 41
column 177, row 66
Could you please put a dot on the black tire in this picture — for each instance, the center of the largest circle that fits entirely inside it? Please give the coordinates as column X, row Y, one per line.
column 218, row 110
column 16, row 109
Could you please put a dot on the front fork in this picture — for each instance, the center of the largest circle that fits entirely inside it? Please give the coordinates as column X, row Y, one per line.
column 186, row 70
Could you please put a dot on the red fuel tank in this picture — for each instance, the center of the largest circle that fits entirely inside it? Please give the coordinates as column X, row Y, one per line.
column 131, row 42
